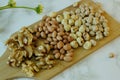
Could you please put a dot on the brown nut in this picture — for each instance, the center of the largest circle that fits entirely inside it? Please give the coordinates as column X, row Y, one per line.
column 37, row 34
column 36, row 28
column 60, row 44
column 34, row 38
column 43, row 35
column 62, row 51
column 46, row 32
column 50, row 35
column 54, row 26
column 59, row 38
column 54, row 22
column 51, row 46
column 44, row 28
column 50, row 28
column 61, row 57
column 48, row 19
column 70, row 53
column 67, row 58
column 70, row 38
column 67, row 47
column 40, row 29
column 65, row 41
column 57, row 55
column 41, row 24
column 47, row 24
column 53, row 43
column 54, row 39
column 61, row 33
column 65, row 36
column 49, row 39
column 55, row 46
column 55, row 51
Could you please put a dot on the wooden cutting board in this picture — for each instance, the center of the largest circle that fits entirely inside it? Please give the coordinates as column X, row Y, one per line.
column 80, row 53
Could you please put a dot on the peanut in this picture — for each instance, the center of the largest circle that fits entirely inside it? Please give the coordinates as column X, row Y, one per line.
column 60, row 44
column 67, row 47
column 67, row 58
column 57, row 55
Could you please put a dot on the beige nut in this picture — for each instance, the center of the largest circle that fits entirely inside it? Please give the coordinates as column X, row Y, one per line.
column 78, row 22
column 67, row 27
column 99, row 35
column 74, row 17
column 106, row 33
column 100, row 28
column 93, row 42
column 74, row 29
column 80, row 41
column 95, row 28
column 59, row 18
column 107, row 29
column 95, row 21
column 105, row 24
column 92, row 33
column 64, row 21
column 74, row 44
column 89, row 19
column 79, row 34
column 87, row 45
column 71, row 22
column 86, row 36
column 82, row 28
column 66, row 15
column 77, row 11
column 87, row 29
column 74, row 36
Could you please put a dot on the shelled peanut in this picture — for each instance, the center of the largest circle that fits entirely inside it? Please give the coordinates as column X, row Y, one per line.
column 55, row 37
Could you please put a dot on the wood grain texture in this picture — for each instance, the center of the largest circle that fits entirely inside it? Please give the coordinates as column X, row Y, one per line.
column 8, row 72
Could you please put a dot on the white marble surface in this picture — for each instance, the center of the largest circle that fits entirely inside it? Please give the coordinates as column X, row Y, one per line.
column 97, row 66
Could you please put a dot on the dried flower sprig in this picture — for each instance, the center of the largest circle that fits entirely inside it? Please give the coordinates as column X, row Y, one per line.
column 12, row 4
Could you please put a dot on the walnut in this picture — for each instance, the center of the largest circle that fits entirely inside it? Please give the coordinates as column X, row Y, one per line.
column 49, row 59
column 29, row 68
column 23, row 34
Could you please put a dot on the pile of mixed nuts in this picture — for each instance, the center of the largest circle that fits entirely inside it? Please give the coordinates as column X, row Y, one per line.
column 55, row 38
